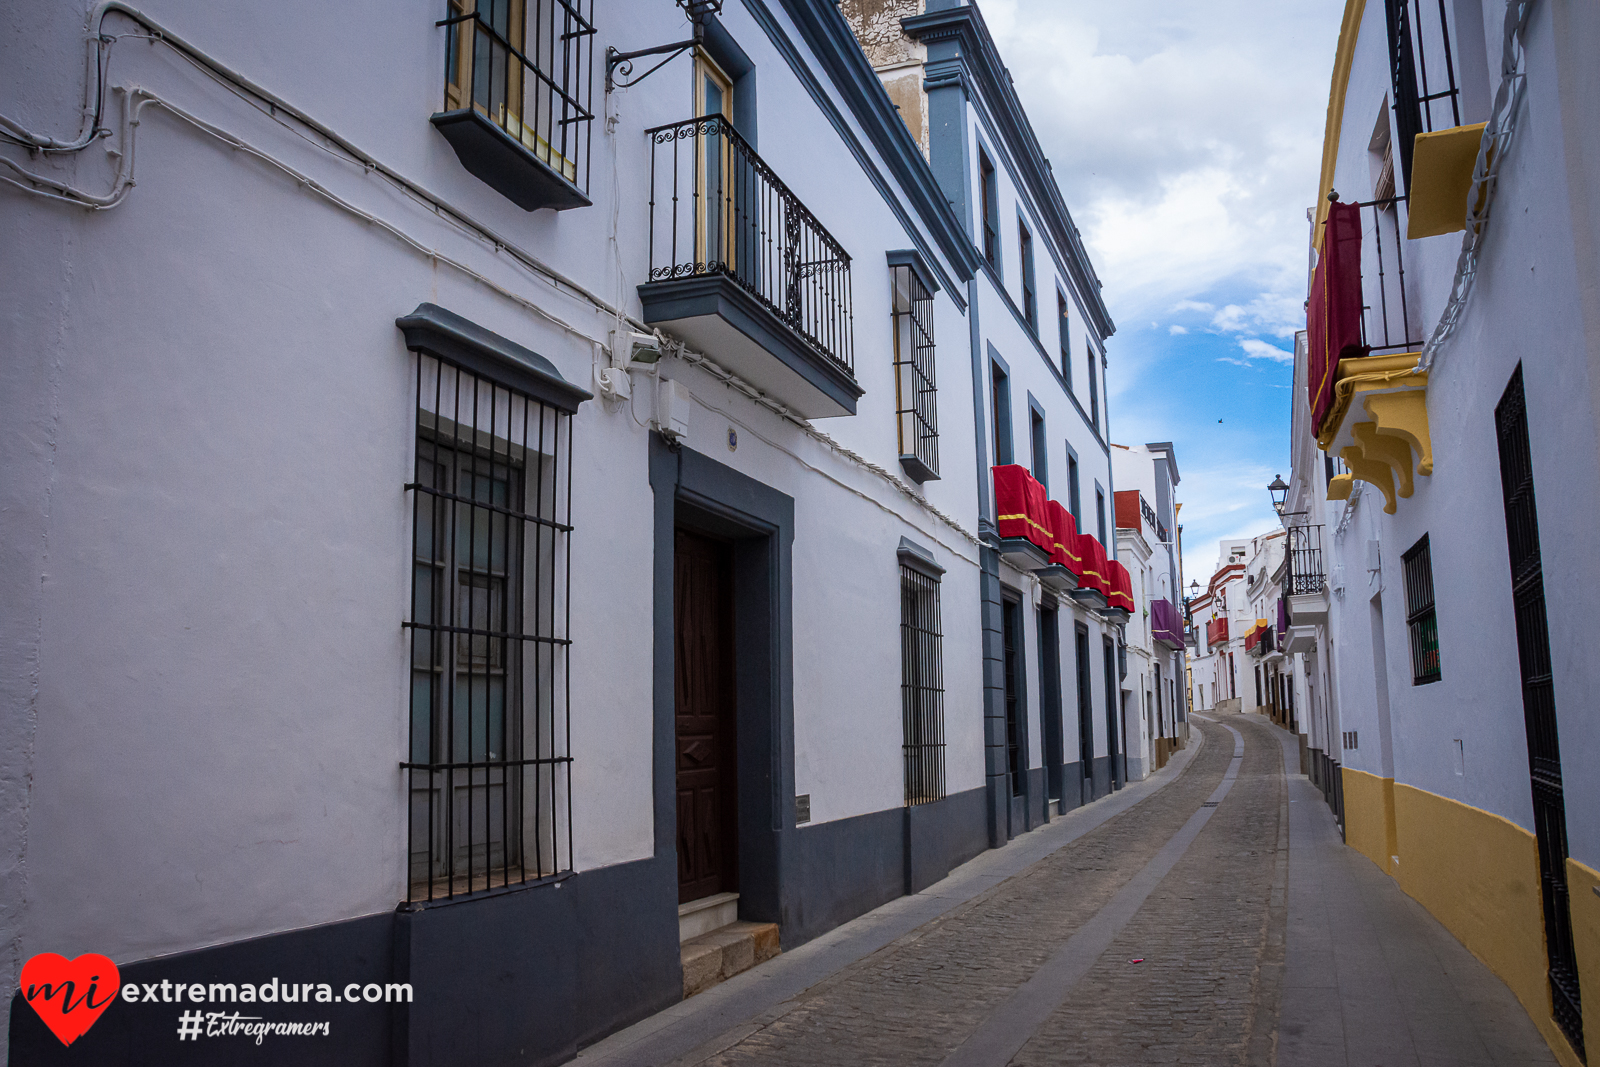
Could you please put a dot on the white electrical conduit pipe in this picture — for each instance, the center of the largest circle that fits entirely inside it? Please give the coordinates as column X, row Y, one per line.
column 1492, row 149
column 136, row 98
column 94, row 93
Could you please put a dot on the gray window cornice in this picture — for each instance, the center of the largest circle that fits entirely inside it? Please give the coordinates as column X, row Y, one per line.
column 443, row 334
column 918, row 559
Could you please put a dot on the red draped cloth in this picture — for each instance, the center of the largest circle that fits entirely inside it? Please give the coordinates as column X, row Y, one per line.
column 1065, row 531
column 1121, row 595
column 1094, row 565
column 1021, row 507
column 1333, row 316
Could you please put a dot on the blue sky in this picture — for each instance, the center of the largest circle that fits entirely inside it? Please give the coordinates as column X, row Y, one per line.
column 1187, row 138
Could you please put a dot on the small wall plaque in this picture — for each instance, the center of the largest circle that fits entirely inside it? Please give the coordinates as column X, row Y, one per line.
column 802, row 808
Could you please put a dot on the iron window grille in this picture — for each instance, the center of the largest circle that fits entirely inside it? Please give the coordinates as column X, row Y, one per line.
column 527, row 66
column 1422, row 102
column 1421, row 622
column 717, row 208
column 916, row 393
column 921, row 685
column 489, row 765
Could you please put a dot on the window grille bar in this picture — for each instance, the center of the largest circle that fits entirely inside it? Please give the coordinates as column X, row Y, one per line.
column 490, row 702
column 916, row 391
column 921, row 686
column 472, row 631
column 532, row 80
column 1421, row 621
column 457, row 498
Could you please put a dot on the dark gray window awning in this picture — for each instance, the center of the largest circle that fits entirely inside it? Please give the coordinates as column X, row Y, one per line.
column 445, row 335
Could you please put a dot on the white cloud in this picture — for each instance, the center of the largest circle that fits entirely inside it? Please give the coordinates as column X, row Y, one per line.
column 1258, row 349
column 1186, row 149
column 1229, row 320
column 1187, row 142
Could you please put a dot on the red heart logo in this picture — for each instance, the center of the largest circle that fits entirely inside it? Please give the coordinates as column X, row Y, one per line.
column 69, row 995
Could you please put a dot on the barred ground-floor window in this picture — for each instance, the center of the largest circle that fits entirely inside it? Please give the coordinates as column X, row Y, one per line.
column 921, row 677
column 489, row 766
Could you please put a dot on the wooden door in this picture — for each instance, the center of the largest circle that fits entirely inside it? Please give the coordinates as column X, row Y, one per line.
column 706, row 763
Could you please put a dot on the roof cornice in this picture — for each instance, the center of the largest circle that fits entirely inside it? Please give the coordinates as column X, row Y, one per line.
column 965, row 26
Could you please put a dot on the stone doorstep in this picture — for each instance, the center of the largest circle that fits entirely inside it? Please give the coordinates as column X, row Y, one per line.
column 706, row 914
column 721, row 954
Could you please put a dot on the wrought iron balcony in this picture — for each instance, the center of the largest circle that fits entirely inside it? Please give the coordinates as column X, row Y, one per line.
column 1166, row 626
column 1304, row 581
column 1304, row 549
column 742, row 270
column 516, row 99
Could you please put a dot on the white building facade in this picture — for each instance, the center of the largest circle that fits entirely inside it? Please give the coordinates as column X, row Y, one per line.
column 1445, row 479
column 1148, row 540
column 465, row 500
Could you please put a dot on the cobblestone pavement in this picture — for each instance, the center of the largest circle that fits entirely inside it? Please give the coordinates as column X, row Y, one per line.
column 1153, row 936
column 916, row 1000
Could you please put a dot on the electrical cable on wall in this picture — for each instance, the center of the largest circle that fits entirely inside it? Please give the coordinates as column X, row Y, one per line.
column 136, row 98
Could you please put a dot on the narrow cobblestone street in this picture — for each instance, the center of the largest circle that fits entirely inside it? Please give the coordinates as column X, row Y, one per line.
column 1061, row 949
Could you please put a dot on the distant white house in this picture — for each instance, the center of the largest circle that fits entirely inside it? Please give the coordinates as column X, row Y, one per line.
column 1148, row 542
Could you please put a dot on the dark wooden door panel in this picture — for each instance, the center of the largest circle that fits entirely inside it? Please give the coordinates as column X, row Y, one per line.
column 705, row 715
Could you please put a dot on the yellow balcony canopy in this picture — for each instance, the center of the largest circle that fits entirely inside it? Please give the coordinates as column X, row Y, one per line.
column 1441, row 179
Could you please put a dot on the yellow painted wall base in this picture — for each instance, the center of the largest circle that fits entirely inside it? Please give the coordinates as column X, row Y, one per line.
column 1369, row 826
column 1479, row 875
column 1581, row 883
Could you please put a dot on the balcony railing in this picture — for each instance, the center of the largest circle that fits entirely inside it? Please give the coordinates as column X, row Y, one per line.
column 1388, row 323
column 716, row 208
column 1305, row 572
column 517, row 98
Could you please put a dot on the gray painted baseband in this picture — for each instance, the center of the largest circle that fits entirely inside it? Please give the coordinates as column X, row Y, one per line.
column 696, row 1029
column 1011, row 1025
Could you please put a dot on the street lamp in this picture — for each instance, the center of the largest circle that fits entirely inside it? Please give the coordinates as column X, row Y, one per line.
column 1278, row 490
